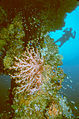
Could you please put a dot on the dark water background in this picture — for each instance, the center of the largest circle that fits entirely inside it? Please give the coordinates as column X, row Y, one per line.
column 71, row 86
column 5, row 84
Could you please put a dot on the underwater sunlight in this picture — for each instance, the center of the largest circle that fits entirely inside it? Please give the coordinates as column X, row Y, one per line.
column 68, row 41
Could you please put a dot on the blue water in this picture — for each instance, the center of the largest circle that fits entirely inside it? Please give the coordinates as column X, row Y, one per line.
column 69, row 37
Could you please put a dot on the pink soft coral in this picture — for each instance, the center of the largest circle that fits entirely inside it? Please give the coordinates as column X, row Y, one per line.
column 28, row 71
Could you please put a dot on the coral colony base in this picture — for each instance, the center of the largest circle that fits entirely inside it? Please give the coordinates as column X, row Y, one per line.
column 35, row 91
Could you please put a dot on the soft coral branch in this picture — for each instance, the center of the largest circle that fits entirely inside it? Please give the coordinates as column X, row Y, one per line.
column 28, row 71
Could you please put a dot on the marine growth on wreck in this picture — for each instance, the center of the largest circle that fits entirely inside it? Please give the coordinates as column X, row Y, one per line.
column 33, row 62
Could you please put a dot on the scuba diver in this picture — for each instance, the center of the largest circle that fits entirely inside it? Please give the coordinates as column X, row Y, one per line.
column 66, row 36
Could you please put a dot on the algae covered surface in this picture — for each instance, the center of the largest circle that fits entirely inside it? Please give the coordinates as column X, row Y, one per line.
column 32, row 60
